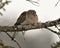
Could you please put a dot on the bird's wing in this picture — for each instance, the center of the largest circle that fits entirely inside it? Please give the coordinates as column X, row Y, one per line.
column 21, row 18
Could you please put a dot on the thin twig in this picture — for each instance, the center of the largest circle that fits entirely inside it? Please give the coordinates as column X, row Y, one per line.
column 57, row 27
column 36, row 2
column 13, row 40
column 57, row 3
column 17, row 43
column 53, row 31
column 8, row 35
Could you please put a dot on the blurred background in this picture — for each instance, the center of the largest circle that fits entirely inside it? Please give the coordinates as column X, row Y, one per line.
column 38, row 38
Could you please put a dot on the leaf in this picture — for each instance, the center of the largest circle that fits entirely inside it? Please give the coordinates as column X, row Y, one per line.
column 7, row 47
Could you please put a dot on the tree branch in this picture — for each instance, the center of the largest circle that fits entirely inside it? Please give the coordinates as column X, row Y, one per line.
column 58, row 33
column 29, row 27
column 13, row 40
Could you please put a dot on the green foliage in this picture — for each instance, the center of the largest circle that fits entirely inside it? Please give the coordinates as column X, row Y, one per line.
column 2, row 45
column 56, row 45
column 2, row 4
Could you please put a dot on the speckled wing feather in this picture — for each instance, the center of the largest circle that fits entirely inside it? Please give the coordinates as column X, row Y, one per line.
column 21, row 19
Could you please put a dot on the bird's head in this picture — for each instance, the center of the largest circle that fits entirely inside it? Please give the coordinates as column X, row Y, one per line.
column 32, row 12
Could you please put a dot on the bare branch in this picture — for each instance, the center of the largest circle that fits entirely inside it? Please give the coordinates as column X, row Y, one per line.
column 57, row 3
column 53, row 31
column 29, row 27
column 13, row 40
column 34, row 2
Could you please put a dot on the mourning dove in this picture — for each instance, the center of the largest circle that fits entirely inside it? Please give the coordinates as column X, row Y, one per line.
column 27, row 17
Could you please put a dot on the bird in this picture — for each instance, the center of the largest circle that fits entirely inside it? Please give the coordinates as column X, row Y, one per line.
column 31, row 17
column 27, row 17
column 21, row 19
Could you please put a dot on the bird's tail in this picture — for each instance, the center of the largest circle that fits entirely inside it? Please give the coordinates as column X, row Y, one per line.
column 16, row 24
